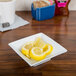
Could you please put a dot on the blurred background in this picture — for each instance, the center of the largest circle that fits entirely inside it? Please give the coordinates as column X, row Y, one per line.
column 25, row 5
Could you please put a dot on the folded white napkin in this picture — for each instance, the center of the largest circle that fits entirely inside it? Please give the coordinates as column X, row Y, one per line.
column 18, row 22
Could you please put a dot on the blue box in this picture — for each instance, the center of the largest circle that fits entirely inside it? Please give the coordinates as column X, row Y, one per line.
column 43, row 13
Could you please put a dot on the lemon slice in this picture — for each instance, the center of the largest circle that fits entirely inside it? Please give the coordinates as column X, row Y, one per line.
column 48, row 49
column 26, row 48
column 37, row 54
column 39, row 43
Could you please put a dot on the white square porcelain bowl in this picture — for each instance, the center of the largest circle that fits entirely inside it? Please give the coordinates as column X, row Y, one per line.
column 57, row 48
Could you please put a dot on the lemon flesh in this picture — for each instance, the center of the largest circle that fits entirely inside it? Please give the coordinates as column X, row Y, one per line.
column 26, row 49
column 39, row 43
column 48, row 49
column 37, row 54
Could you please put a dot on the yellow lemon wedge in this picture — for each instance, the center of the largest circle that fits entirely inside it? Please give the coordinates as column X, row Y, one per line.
column 37, row 50
column 37, row 54
column 48, row 49
column 39, row 43
column 26, row 49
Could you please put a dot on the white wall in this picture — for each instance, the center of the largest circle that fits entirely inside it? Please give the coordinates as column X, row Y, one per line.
column 72, row 5
column 26, row 5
